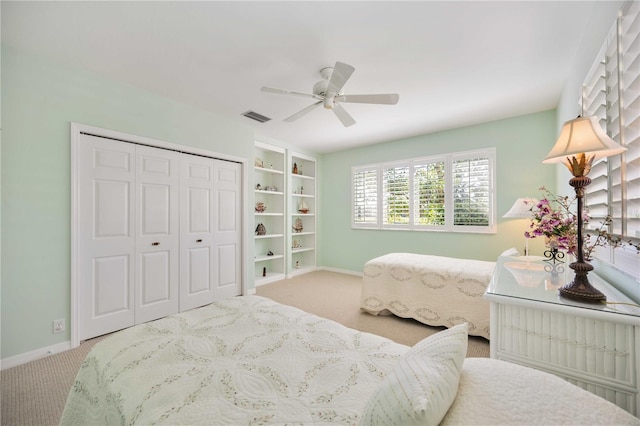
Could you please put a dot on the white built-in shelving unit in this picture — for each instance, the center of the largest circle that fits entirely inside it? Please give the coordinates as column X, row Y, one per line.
column 302, row 193
column 269, row 187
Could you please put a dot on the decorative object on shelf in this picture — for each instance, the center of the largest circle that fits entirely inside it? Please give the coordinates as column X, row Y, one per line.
column 553, row 254
column 295, row 169
column 260, row 207
column 581, row 141
column 258, row 162
column 296, row 244
column 297, row 264
column 297, row 227
column 258, row 187
column 269, row 253
column 521, row 209
column 261, row 229
column 271, row 188
column 264, row 271
column 303, row 208
column 301, row 189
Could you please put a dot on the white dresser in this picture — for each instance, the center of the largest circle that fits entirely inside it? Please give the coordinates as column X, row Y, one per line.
column 593, row 346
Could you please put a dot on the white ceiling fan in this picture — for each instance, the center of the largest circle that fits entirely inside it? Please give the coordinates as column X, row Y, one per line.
column 328, row 92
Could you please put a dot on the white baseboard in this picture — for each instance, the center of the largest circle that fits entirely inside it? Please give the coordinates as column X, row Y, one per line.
column 34, row 355
column 342, row 271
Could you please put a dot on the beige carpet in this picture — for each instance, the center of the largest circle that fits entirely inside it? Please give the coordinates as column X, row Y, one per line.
column 337, row 297
column 35, row 393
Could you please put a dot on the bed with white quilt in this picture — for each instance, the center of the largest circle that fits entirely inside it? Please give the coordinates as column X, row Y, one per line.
column 249, row 360
column 435, row 290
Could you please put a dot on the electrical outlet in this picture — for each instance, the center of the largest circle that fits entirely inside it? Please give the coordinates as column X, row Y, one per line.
column 58, row 325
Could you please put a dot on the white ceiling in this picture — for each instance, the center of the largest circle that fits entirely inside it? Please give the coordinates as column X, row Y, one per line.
column 453, row 63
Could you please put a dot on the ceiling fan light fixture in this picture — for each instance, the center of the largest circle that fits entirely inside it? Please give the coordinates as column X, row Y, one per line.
column 328, row 93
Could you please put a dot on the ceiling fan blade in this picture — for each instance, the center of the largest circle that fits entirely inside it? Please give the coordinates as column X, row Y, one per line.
column 339, row 76
column 343, row 115
column 305, row 111
column 386, row 98
column 288, row 92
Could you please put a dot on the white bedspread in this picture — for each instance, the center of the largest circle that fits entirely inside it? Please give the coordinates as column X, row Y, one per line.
column 435, row 290
column 247, row 360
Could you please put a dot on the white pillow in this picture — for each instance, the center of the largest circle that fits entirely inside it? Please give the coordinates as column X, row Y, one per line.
column 511, row 252
column 422, row 387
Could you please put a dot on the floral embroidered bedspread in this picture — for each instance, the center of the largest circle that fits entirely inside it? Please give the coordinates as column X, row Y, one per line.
column 245, row 360
column 435, row 290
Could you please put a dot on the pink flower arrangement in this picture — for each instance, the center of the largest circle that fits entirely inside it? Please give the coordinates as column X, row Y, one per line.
column 553, row 219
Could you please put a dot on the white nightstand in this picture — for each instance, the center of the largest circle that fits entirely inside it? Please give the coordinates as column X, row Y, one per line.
column 593, row 346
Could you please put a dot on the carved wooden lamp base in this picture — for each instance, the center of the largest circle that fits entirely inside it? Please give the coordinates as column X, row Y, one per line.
column 580, row 289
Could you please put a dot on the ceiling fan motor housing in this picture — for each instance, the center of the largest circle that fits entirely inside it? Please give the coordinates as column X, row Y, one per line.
column 320, row 88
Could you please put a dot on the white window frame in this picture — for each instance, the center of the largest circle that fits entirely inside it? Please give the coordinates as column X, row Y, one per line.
column 448, row 159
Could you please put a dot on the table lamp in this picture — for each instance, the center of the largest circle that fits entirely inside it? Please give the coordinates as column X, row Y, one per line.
column 521, row 209
column 581, row 141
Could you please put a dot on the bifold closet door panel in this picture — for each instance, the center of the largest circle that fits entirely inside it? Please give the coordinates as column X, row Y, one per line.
column 106, row 237
column 227, row 237
column 157, row 229
column 197, row 273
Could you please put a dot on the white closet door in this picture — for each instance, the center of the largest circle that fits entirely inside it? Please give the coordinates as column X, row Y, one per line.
column 196, row 232
column 227, row 235
column 157, row 244
column 106, row 237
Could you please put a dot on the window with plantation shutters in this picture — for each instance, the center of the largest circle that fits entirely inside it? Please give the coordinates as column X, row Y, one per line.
column 365, row 197
column 451, row 192
column 395, row 195
column 429, row 193
column 611, row 91
column 471, row 191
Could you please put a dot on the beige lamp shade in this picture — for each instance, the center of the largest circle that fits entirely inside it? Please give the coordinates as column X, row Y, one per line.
column 583, row 135
column 521, row 209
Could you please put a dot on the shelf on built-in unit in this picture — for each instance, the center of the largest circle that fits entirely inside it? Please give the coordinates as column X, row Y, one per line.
column 294, row 234
column 303, row 214
column 262, row 191
column 268, row 214
column 268, row 236
column 263, row 257
column 301, row 249
column 266, row 170
column 302, row 176
column 270, row 277
column 302, row 195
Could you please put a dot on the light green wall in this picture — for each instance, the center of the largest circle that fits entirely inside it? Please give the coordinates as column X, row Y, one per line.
column 39, row 100
column 521, row 143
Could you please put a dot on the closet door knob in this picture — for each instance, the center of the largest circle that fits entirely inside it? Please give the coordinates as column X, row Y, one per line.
column 198, row 241
column 155, row 244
